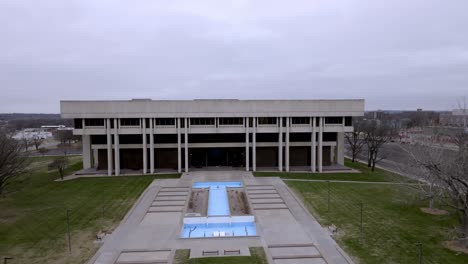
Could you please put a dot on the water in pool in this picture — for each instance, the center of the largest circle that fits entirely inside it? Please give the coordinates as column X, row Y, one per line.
column 219, row 230
column 218, row 206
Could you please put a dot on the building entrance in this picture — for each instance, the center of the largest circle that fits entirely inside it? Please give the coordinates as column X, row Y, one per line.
column 216, row 157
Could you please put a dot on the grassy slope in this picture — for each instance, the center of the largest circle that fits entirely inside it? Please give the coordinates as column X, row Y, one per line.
column 33, row 212
column 257, row 257
column 393, row 222
column 366, row 175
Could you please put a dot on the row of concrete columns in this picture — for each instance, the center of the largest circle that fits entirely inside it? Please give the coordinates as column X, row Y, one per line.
column 313, row 145
column 116, row 155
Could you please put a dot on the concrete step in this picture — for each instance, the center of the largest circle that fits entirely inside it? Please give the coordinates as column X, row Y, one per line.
column 167, row 203
column 171, row 198
column 269, row 206
column 264, row 196
column 261, row 191
column 143, row 257
column 300, row 261
column 160, row 194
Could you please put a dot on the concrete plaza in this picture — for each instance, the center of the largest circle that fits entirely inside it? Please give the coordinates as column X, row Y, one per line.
column 150, row 233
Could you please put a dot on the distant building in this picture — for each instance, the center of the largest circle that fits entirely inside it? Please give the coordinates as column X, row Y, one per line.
column 31, row 133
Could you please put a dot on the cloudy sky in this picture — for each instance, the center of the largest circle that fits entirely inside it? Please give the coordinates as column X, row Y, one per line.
column 396, row 54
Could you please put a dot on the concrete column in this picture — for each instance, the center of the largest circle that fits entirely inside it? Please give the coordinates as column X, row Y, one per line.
column 340, row 148
column 186, row 144
column 151, row 145
column 320, row 145
column 287, row 145
column 145, row 148
column 280, row 144
column 109, row 147
column 313, row 155
column 254, row 145
column 332, row 153
column 116, row 147
column 86, row 142
column 96, row 159
column 179, row 158
column 247, row 156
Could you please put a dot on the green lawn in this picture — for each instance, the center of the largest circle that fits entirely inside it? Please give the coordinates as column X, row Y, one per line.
column 392, row 221
column 257, row 257
column 33, row 224
column 365, row 174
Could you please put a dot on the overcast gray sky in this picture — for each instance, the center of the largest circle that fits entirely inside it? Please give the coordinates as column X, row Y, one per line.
column 396, row 54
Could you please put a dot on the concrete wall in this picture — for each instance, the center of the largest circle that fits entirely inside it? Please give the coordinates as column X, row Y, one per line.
column 219, row 219
column 210, row 108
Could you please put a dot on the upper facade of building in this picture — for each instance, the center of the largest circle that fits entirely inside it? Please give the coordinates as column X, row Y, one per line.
column 141, row 108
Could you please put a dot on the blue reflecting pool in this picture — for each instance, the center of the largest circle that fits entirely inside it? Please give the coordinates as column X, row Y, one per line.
column 219, row 230
column 218, row 204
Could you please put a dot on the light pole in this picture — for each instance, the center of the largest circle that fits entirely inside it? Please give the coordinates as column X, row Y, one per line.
column 420, row 253
column 68, row 231
column 362, row 227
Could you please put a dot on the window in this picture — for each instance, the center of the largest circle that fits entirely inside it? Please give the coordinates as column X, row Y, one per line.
column 267, row 120
column 202, row 121
column 96, row 122
column 78, row 123
column 165, row 122
column 130, row 122
column 231, row 121
column 348, row 121
column 301, row 120
column 333, row 120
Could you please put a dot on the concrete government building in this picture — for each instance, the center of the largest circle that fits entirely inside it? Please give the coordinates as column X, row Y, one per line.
column 150, row 136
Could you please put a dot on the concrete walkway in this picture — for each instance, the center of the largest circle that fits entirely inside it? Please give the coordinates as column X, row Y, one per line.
column 151, row 231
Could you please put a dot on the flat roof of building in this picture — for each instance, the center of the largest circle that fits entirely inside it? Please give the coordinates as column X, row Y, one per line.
column 140, row 108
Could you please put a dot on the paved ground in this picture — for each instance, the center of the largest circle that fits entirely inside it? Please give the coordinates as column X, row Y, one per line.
column 151, row 231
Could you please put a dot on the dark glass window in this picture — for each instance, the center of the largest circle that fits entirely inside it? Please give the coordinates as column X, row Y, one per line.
column 267, row 120
column 202, row 121
column 130, row 139
column 333, row 120
column 348, row 121
column 78, row 123
column 300, row 137
column 98, row 139
column 130, row 122
column 165, row 122
column 94, row 122
column 231, row 121
column 329, row 136
column 301, row 120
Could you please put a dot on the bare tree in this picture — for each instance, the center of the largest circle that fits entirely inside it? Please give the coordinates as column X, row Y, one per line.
column 59, row 164
column 356, row 139
column 448, row 170
column 37, row 142
column 43, row 151
column 12, row 160
column 377, row 135
column 427, row 186
column 26, row 142
column 463, row 106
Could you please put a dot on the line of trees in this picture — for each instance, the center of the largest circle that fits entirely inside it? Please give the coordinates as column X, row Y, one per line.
column 370, row 135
